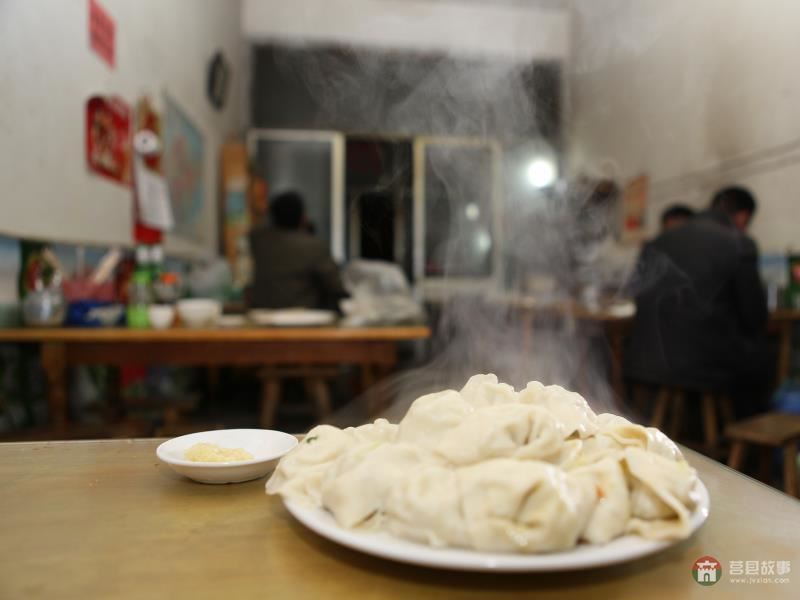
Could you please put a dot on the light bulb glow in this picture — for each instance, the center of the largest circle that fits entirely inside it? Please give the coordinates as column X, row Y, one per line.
column 541, row 173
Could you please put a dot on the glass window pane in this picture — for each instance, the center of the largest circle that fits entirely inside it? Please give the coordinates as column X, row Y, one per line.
column 458, row 211
column 303, row 166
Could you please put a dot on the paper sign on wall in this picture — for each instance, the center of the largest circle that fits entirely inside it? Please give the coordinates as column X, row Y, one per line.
column 152, row 194
column 102, row 32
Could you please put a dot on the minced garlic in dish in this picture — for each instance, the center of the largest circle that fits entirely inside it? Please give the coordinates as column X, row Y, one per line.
column 204, row 452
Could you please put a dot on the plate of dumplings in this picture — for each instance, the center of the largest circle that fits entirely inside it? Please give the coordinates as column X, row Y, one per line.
column 489, row 478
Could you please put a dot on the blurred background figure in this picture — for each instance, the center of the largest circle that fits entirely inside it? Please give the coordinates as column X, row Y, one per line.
column 675, row 216
column 292, row 267
column 701, row 307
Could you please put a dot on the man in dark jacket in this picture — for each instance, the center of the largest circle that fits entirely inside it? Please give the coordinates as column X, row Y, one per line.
column 701, row 308
column 291, row 267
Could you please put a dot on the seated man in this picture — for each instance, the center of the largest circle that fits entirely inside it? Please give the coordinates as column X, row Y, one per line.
column 675, row 216
column 291, row 267
column 701, row 308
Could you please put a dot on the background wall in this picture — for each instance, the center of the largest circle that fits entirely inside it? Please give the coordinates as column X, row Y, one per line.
column 697, row 95
column 376, row 90
column 48, row 71
column 535, row 29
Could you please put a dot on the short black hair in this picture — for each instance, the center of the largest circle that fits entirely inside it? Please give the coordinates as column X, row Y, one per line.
column 676, row 211
column 734, row 199
column 286, row 210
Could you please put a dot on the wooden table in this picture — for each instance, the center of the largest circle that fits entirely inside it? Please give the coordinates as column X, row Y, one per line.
column 614, row 327
column 108, row 520
column 373, row 348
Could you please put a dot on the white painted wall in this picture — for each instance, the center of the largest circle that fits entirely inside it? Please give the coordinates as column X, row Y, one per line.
column 473, row 28
column 683, row 90
column 47, row 72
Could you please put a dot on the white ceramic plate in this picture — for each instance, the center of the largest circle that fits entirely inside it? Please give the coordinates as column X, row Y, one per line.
column 584, row 556
column 292, row 317
column 265, row 445
column 232, row 321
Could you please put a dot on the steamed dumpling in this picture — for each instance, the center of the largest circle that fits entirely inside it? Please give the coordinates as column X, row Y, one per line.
column 523, row 506
column 300, row 473
column 569, row 408
column 613, row 508
column 379, row 431
column 360, row 481
column 430, row 416
column 485, row 390
column 662, row 495
column 426, row 507
column 502, row 430
column 630, row 434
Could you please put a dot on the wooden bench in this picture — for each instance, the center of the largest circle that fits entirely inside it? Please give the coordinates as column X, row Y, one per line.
column 771, row 430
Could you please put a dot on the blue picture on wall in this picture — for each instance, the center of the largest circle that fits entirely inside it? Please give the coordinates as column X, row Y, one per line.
column 184, row 167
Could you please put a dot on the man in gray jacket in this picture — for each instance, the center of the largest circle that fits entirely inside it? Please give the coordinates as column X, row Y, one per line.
column 701, row 308
column 292, row 268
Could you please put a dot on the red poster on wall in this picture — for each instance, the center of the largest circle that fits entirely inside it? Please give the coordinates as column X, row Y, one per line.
column 108, row 138
column 102, row 32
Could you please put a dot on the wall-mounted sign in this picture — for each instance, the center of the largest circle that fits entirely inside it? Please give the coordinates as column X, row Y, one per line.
column 102, row 32
column 108, row 132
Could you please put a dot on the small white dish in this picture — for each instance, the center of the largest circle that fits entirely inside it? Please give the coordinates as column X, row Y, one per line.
column 161, row 316
column 583, row 556
column 292, row 317
column 266, row 446
column 199, row 312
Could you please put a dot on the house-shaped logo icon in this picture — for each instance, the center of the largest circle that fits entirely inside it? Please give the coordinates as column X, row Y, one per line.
column 706, row 570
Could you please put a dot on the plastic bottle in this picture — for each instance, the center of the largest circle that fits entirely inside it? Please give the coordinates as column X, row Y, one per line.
column 140, row 291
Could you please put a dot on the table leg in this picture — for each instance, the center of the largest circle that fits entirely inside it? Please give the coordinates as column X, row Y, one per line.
column 270, row 398
column 54, row 364
column 790, row 469
column 736, row 459
column 710, row 421
column 784, row 352
column 660, row 409
column 617, row 343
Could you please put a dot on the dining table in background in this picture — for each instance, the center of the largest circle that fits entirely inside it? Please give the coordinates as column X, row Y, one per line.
column 106, row 519
column 615, row 327
column 373, row 349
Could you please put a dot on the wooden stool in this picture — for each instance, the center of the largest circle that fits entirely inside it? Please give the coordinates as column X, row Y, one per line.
column 671, row 401
column 771, row 430
column 316, row 385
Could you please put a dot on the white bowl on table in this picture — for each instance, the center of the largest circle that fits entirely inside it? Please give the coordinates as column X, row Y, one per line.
column 199, row 312
column 266, row 446
column 161, row 316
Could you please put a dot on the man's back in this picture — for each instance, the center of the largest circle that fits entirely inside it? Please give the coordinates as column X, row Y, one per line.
column 700, row 305
column 292, row 269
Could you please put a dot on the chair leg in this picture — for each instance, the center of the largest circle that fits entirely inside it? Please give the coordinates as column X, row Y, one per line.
column 736, row 458
column 710, row 421
column 660, row 409
column 790, row 469
column 270, row 398
column 317, row 389
column 676, row 418
column 726, row 410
